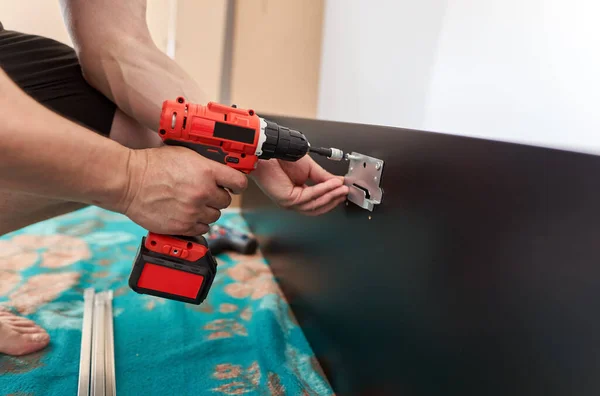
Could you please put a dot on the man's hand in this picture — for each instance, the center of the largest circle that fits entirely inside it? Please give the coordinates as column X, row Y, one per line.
column 285, row 183
column 173, row 190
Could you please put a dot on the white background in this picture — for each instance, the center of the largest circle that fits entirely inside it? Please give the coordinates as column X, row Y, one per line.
column 525, row 71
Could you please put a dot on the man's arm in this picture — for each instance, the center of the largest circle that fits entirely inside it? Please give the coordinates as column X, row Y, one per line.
column 169, row 190
column 119, row 58
column 45, row 154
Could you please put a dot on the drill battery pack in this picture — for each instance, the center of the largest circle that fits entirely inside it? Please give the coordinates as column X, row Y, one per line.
column 178, row 268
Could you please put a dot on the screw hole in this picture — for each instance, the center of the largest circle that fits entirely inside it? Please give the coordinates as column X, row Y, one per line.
column 180, row 100
column 153, row 243
column 364, row 164
column 251, row 112
column 189, row 245
column 243, row 155
column 162, row 131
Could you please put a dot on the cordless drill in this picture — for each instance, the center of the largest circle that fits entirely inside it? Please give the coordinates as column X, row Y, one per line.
column 183, row 268
column 221, row 239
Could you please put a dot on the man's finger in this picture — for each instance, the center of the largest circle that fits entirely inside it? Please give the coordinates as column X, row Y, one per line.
column 327, row 208
column 308, row 194
column 220, row 199
column 198, row 229
column 323, row 200
column 195, row 230
column 209, row 216
column 234, row 180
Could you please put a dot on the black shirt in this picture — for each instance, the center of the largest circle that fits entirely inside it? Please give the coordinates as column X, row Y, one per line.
column 49, row 71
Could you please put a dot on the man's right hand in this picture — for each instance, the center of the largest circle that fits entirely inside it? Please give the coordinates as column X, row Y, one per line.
column 175, row 191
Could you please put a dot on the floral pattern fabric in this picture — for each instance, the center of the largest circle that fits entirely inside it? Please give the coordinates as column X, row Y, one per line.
column 243, row 340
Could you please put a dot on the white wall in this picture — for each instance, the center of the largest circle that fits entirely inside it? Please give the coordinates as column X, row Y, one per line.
column 377, row 60
column 517, row 70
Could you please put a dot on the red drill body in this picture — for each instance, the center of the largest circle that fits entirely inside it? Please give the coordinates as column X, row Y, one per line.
column 225, row 134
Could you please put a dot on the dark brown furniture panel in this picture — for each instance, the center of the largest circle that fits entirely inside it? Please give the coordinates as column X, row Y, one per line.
column 479, row 274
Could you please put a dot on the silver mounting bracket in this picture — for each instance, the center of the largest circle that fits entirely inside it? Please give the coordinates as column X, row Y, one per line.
column 363, row 178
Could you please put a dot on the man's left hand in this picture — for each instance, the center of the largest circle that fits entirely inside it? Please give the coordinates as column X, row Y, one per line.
column 285, row 183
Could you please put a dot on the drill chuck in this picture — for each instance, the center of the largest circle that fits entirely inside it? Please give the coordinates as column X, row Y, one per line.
column 283, row 143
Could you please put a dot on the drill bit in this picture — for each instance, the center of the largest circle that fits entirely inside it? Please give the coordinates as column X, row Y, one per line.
column 331, row 153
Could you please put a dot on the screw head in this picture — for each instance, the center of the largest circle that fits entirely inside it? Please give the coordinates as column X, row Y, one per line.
column 378, row 165
column 375, row 178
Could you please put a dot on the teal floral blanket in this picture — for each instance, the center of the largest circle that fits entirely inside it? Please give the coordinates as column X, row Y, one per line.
column 243, row 340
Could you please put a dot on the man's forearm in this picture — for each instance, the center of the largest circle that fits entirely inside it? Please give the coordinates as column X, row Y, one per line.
column 45, row 154
column 138, row 77
column 119, row 58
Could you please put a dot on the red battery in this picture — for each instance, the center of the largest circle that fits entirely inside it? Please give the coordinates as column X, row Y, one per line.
column 178, row 268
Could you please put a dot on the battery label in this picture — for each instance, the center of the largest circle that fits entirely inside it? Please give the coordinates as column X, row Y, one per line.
column 169, row 280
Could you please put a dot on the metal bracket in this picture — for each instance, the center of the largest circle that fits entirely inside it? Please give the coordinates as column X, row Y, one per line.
column 363, row 178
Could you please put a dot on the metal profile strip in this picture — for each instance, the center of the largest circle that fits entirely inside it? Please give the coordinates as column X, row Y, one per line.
column 83, row 388
column 97, row 357
column 111, row 388
column 98, row 387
